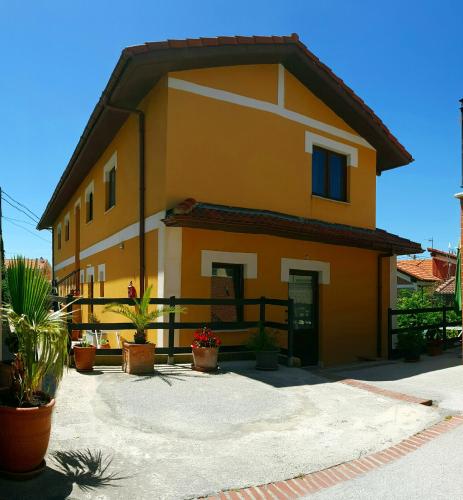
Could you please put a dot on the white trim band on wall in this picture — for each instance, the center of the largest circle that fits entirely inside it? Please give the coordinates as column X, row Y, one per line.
column 249, row 102
column 65, row 263
column 248, row 260
column 312, row 140
column 323, row 268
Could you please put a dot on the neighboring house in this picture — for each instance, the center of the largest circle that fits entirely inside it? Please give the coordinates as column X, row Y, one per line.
column 257, row 167
column 42, row 264
column 430, row 274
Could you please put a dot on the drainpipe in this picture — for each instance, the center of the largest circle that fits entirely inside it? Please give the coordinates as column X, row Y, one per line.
column 379, row 304
column 141, row 196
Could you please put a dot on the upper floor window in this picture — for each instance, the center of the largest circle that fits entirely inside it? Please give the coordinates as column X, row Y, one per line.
column 329, row 174
column 58, row 237
column 111, row 188
column 66, row 228
column 89, row 203
column 109, row 179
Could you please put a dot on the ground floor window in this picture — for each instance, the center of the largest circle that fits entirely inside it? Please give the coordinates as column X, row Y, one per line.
column 227, row 283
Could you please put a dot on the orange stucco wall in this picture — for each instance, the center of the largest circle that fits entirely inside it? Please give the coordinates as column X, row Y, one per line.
column 348, row 305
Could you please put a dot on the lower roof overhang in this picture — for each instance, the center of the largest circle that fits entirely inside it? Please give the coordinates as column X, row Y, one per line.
column 245, row 220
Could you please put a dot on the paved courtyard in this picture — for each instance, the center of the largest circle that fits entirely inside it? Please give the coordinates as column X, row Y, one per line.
column 182, row 434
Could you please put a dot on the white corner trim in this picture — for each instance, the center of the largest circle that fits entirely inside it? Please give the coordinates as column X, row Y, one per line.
column 323, row 268
column 89, row 189
column 312, row 140
column 90, row 272
column 101, row 272
column 169, row 273
column 112, row 162
column 64, row 263
column 281, row 86
column 248, row 260
column 249, row 102
column 152, row 222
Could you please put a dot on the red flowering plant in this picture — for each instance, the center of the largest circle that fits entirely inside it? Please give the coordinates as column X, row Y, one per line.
column 205, row 337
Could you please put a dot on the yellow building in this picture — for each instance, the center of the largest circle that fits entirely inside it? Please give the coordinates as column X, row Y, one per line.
column 277, row 160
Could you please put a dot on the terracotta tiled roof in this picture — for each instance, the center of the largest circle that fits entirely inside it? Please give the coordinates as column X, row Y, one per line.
column 447, row 287
column 257, row 40
column 140, row 67
column 420, row 269
column 40, row 263
column 194, row 214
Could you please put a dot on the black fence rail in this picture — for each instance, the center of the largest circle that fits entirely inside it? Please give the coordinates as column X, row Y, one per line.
column 171, row 325
column 442, row 325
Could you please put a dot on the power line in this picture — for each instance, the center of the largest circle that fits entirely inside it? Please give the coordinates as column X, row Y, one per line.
column 21, row 205
column 27, row 230
column 22, row 211
column 18, row 220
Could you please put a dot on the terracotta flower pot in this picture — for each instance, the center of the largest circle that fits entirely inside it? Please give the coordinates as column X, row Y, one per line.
column 138, row 359
column 84, row 358
column 24, row 437
column 205, row 358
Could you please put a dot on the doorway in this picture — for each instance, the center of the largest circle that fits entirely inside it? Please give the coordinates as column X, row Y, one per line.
column 303, row 289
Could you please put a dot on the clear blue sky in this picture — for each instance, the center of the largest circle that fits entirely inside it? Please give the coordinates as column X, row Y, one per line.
column 403, row 58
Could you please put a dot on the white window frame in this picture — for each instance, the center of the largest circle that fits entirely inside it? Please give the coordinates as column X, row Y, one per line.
column 67, row 220
column 323, row 269
column 350, row 152
column 90, row 189
column 90, row 271
column 59, row 236
column 101, row 271
column 109, row 165
column 248, row 260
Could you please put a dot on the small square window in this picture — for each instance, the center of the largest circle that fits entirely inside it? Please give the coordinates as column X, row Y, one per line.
column 329, row 174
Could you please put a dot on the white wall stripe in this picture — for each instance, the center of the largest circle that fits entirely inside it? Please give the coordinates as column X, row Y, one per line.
column 65, row 263
column 249, row 102
column 151, row 223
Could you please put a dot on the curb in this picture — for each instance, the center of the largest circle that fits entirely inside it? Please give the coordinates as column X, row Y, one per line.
column 384, row 392
column 311, row 483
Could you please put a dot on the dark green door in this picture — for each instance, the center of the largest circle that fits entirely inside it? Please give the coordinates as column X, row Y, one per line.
column 303, row 289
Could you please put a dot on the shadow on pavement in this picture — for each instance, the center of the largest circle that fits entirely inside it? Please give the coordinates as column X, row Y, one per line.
column 87, row 469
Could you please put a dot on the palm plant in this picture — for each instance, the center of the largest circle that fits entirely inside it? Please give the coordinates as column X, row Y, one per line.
column 41, row 334
column 139, row 315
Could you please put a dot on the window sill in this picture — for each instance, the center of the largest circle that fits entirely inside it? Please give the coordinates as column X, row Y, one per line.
column 89, row 222
column 109, row 209
column 318, row 197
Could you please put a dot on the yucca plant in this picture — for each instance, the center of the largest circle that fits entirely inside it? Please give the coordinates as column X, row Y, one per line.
column 139, row 314
column 41, row 333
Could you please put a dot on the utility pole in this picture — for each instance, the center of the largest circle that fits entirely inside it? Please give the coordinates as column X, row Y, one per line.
column 1, row 278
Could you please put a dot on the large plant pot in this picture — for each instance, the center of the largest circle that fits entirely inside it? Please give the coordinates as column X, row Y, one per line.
column 84, row 358
column 205, row 358
column 138, row 359
column 24, row 437
column 435, row 347
column 267, row 360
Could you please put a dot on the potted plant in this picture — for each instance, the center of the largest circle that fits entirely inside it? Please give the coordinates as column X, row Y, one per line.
column 84, row 356
column 411, row 344
column 41, row 349
column 205, row 348
column 104, row 344
column 434, row 342
column 138, row 356
column 266, row 348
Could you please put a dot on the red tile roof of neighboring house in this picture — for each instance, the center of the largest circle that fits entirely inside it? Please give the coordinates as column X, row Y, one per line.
column 194, row 214
column 40, row 263
column 420, row 269
column 140, row 67
column 447, row 287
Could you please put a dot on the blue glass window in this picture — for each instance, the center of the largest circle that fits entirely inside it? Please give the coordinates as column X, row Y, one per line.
column 329, row 174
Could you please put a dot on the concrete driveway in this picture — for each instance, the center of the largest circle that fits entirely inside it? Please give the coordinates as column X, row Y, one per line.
column 183, row 434
column 439, row 378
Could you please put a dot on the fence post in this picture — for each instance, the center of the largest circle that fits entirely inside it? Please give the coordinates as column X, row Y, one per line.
column 290, row 332
column 170, row 355
column 262, row 311
column 389, row 333
column 444, row 324
column 69, row 300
